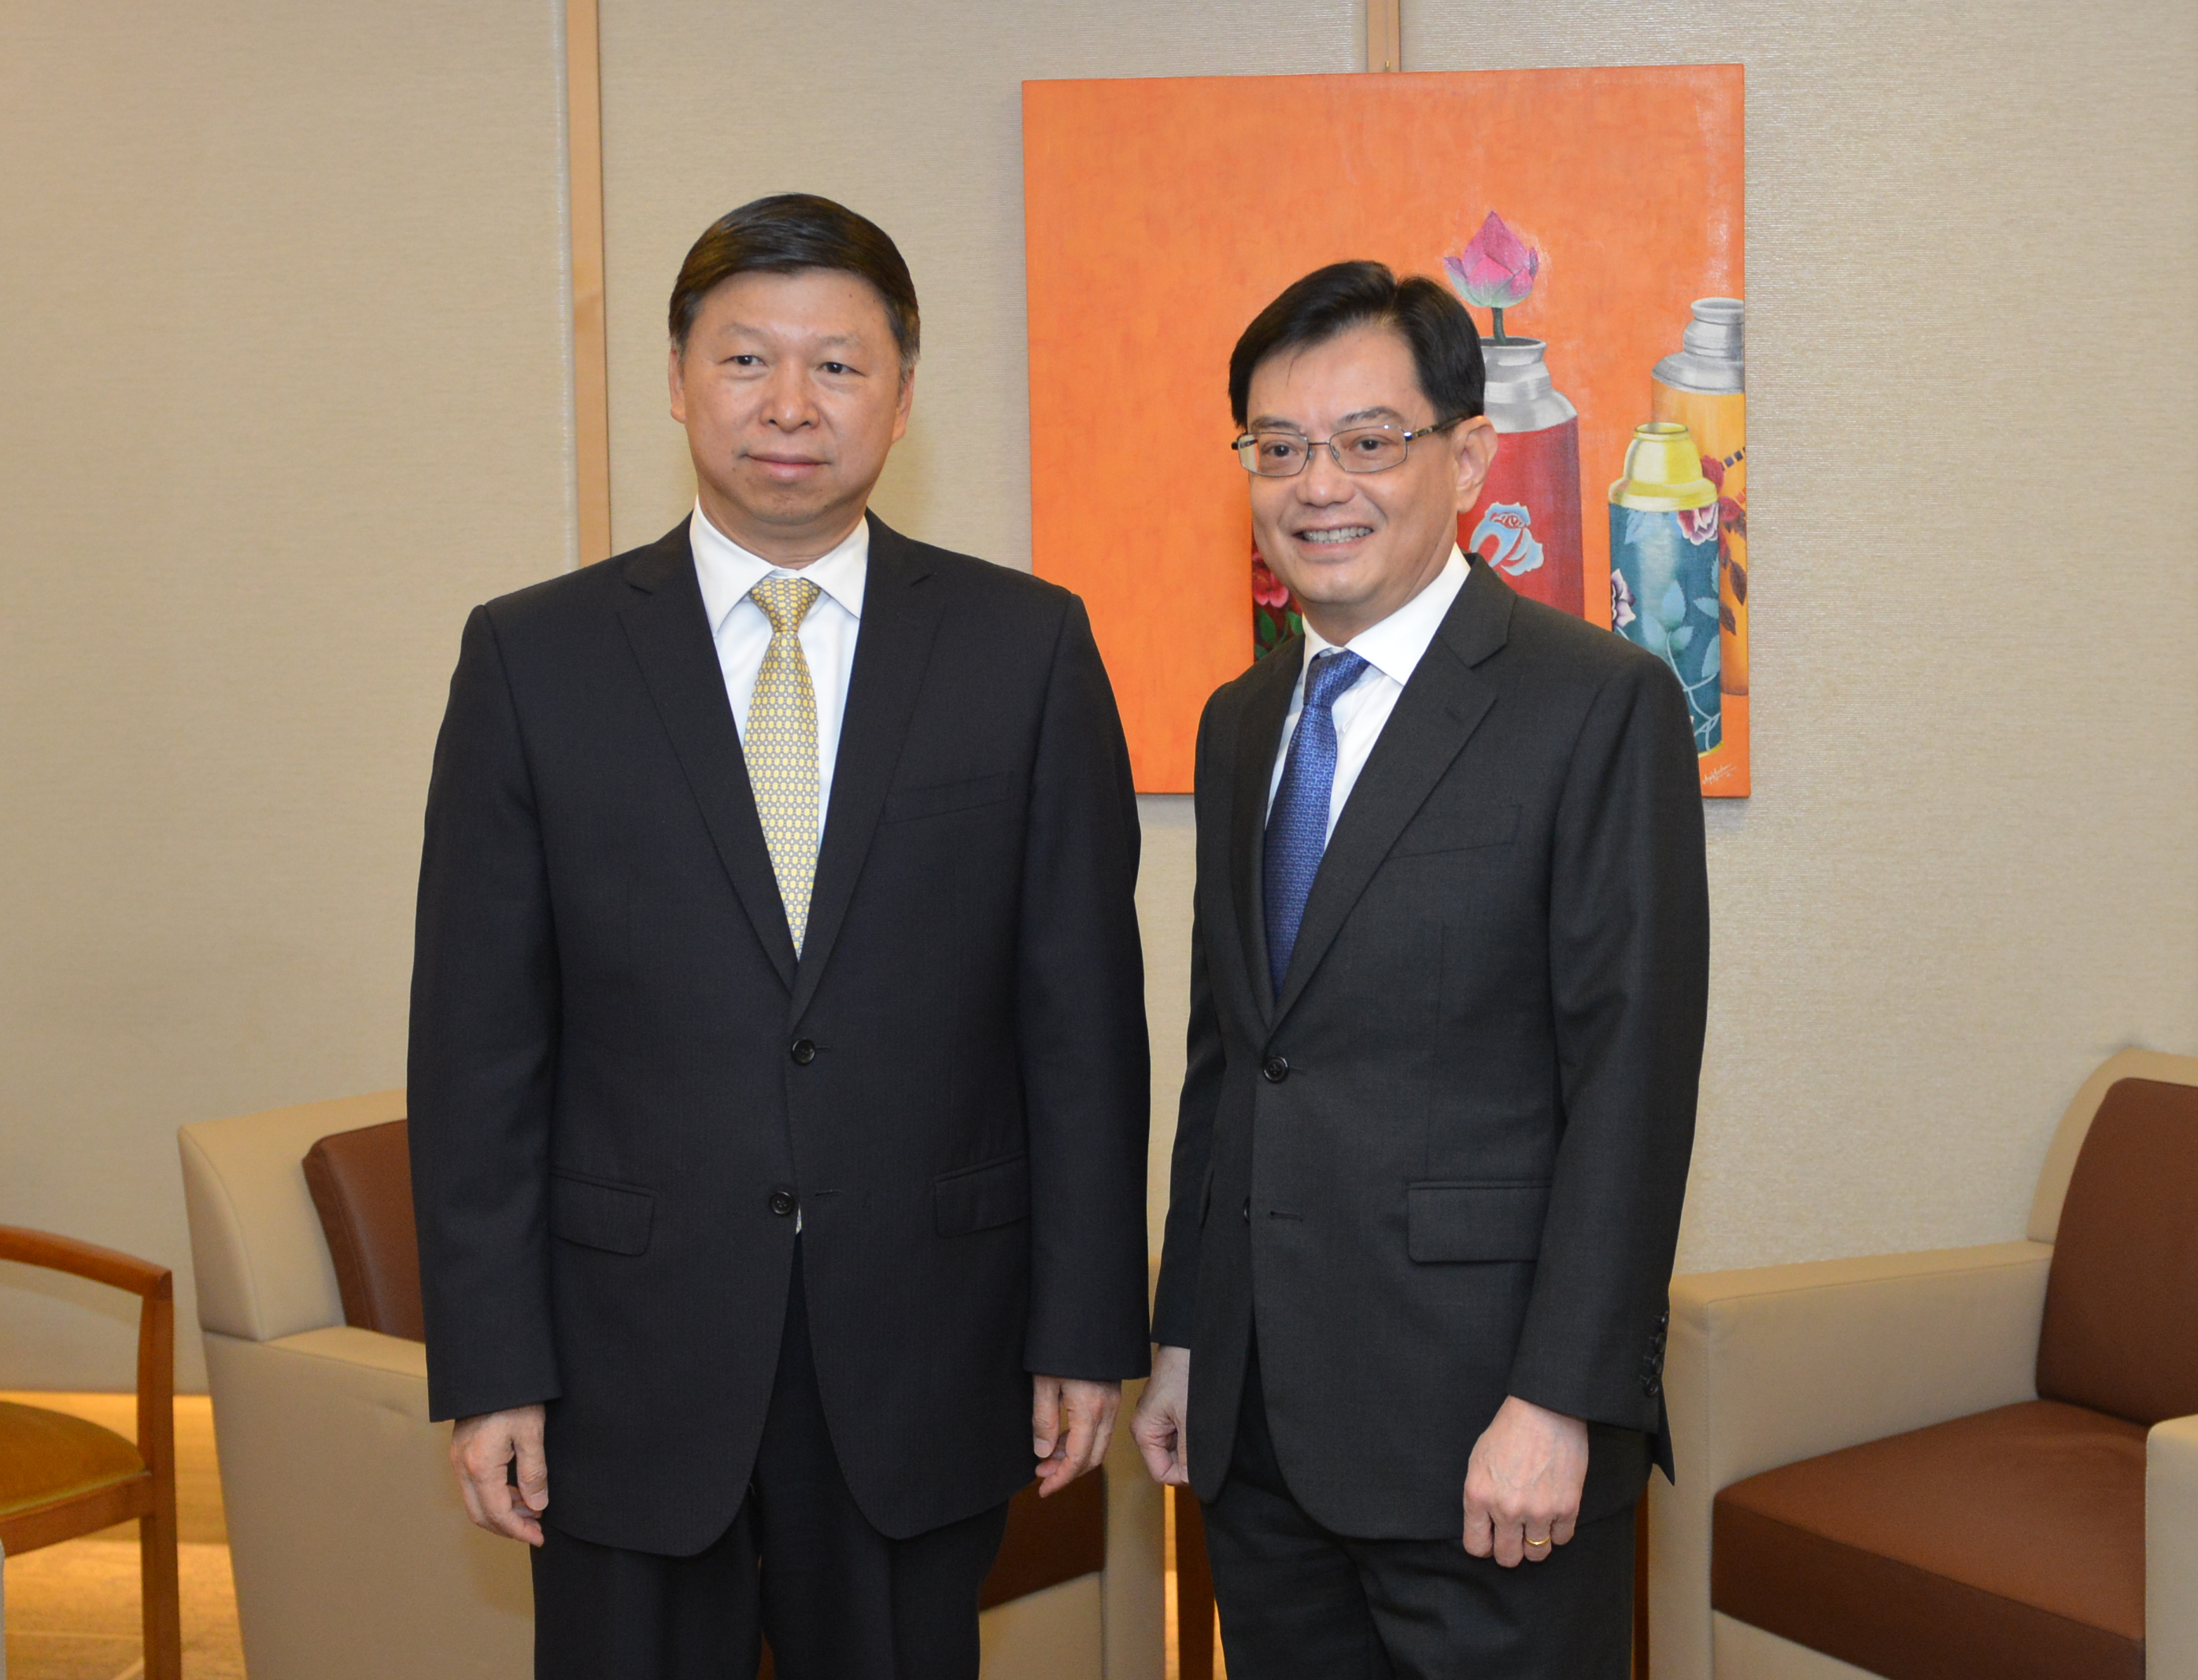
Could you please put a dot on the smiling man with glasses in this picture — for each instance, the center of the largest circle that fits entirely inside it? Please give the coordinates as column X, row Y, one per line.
column 1449, row 979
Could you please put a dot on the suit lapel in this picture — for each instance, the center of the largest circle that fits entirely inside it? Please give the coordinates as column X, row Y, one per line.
column 1258, row 737
column 1440, row 709
column 669, row 633
column 900, row 619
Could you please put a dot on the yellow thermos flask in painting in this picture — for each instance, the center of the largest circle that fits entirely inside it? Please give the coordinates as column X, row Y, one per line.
column 1702, row 387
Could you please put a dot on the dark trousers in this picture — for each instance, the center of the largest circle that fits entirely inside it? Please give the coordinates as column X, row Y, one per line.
column 800, row 1565
column 1299, row 1601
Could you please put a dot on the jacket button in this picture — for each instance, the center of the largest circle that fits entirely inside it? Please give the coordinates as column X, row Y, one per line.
column 804, row 1052
column 1247, row 1209
column 782, row 1202
column 1276, row 1069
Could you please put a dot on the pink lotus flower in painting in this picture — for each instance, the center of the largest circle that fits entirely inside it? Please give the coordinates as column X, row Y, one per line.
column 1497, row 270
column 1267, row 590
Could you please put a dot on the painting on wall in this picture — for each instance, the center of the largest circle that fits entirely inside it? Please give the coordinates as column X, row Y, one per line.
column 1591, row 222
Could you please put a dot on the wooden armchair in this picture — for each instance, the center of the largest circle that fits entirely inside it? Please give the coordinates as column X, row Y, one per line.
column 60, row 1477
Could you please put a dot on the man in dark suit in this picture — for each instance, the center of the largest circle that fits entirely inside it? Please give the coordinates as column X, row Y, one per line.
column 778, row 1062
column 1447, row 998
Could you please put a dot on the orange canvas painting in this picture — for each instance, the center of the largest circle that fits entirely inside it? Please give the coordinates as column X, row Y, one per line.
column 1590, row 220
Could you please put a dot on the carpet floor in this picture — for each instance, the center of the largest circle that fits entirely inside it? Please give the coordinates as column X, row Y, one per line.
column 73, row 1612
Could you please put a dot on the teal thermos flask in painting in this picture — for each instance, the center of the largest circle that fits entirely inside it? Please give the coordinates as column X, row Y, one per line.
column 1663, row 567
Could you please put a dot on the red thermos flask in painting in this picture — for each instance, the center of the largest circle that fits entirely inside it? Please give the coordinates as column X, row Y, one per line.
column 1526, row 523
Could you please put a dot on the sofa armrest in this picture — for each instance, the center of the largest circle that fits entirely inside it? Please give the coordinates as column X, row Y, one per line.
column 342, row 1505
column 1135, row 1584
column 2170, row 1548
column 1783, row 1362
column 259, row 1259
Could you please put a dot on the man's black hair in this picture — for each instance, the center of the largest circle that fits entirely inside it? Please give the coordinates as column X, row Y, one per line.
column 786, row 234
column 1444, row 342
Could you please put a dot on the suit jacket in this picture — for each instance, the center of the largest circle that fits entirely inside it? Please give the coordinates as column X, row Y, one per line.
column 1445, row 1164
column 625, row 1086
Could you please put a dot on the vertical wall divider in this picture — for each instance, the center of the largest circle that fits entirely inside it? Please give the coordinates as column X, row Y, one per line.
column 1384, row 35
column 591, row 401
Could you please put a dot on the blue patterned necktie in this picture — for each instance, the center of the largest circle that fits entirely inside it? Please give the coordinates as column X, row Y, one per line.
column 1297, row 827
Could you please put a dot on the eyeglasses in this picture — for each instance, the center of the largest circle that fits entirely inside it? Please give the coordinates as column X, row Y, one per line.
column 1362, row 448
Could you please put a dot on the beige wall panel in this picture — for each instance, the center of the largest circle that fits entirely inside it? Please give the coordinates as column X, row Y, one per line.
column 1967, row 874
column 282, row 393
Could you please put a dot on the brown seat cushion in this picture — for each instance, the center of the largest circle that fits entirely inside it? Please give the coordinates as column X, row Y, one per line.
column 2121, row 1333
column 2008, row 1545
column 362, row 1185
column 48, row 1456
column 1049, row 1541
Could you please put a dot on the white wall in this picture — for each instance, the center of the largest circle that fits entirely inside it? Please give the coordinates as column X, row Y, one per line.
column 283, row 391
column 281, row 394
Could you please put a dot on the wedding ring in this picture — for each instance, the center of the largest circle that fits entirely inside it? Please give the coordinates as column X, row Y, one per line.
column 1537, row 1543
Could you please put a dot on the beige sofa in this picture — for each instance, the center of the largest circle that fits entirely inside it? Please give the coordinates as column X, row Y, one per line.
column 1779, row 1364
column 352, row 1556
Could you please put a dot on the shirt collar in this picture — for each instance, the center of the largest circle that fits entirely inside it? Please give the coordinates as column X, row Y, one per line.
column 727, row 572
column 1395, row 646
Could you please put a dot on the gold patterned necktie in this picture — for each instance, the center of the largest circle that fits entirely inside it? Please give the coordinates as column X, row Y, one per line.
column 782, row 747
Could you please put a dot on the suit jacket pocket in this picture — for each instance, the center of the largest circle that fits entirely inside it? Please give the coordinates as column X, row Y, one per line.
column 938, row 799
column 596, row 1213
column 979, row 1198
column 1458, row 831
column 1474, row 1221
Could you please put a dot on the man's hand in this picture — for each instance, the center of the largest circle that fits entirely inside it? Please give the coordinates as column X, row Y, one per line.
column 1071, row 1423
column 1163, row 1409
column 480, row 1450
column 1522, row 1484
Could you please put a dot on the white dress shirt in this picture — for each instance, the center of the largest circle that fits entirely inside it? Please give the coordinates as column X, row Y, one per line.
column 727, row 572
column 1392, row 650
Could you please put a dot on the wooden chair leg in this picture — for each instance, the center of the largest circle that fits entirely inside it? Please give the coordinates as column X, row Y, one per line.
column 163, row 1622
column 156, row 1443
column 1193, row 1589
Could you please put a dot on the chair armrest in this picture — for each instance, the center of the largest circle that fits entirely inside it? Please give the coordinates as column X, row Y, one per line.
column 110, row 1266
column 155, row 1287
column 2171, row 1547
column 1779, row 1363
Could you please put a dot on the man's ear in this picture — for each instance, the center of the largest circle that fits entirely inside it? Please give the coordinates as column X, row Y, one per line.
column 678, row 385
column 907, row 401
column 1474, row 443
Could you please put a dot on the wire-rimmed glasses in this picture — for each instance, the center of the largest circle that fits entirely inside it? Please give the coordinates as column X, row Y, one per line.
column 1357, row 449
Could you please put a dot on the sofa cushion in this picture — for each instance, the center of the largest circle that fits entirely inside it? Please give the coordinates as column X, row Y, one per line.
column 2121, row 1333
column 362, row 1186
column 2008, row 1545
column 1049, row 1541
